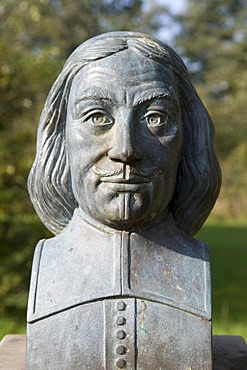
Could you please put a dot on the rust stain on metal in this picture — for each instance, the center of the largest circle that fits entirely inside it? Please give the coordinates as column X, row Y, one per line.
column 142, row 317
column 167, row 272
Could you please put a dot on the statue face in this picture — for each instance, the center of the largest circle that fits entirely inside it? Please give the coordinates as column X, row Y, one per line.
column 124, row 138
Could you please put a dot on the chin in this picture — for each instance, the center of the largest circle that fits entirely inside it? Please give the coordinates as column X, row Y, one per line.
column 123, row 225
column 134, row 219
column 125, row 210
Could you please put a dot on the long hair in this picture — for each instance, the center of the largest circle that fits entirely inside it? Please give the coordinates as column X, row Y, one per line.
column 198, row 177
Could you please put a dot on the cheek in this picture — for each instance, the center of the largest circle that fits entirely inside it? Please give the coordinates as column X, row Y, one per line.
column 77, row 140
column 166, row 155
column 163, row 142
column 84, row 149
column 171, row 147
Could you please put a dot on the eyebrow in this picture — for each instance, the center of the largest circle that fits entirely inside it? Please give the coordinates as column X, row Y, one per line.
column 96, row 95
column 143, row 98
column 151, row 95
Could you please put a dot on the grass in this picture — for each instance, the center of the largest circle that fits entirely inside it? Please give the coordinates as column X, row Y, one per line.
column 228, row 244
column 12, row 325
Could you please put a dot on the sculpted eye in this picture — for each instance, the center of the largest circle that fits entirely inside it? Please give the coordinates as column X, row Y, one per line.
column 98, row 119
column 155, row 119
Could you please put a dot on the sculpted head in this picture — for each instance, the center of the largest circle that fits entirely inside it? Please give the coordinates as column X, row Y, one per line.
column 124, row 137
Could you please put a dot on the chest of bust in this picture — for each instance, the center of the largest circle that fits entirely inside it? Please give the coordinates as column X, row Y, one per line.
column 100, row 265
column 129, row 302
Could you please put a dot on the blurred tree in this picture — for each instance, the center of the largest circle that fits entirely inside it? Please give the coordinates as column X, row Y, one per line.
column 36, row 36
column 21, row 95
column 213, row 39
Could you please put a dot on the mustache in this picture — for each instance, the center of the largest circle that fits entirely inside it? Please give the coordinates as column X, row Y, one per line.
column 133, row 171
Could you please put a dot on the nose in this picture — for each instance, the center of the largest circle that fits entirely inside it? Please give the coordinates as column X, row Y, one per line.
column 124, row 147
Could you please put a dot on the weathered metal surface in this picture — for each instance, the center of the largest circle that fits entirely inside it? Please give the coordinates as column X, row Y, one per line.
column 144, row 335
column 125, row 172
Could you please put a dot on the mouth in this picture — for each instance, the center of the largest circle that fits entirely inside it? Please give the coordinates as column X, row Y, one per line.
column 125, row 187
column 125, row 178
column 132, row 179
column 119, row 184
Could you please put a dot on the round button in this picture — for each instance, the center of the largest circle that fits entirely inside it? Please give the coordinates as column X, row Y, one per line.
column 121, row 350
column 120, row 363
column 120, row 334
column 120, row 320
column 121, row 305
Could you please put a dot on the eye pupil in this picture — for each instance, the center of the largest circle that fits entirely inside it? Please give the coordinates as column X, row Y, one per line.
column 99, row 119
column 155, row 119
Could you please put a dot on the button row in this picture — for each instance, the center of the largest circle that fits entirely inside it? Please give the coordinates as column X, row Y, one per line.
column 121, row 334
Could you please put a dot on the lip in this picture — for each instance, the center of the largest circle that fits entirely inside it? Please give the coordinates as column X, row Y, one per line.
column 125, row 187
column 131, row 180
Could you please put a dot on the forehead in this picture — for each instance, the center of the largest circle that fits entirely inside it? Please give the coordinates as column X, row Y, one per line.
column 124, row 71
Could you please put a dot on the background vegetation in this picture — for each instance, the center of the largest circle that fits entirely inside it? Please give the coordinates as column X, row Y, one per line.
column 36, row 37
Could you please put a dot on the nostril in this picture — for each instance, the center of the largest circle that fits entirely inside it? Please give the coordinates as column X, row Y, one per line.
column 123, row 156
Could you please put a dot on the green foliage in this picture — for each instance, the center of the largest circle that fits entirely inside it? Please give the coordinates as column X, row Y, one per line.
column 213, row 38
column 228, row 264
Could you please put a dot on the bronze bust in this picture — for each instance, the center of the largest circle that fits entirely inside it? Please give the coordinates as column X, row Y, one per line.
column 125, row 174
